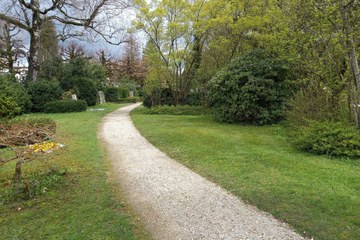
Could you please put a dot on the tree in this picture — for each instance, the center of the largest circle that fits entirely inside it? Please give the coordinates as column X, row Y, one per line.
column 11, row 47
column 131, row 64
column 48, row 42
column 320, row 39
column 70, row 15
column 72, row 51
column 169, row 25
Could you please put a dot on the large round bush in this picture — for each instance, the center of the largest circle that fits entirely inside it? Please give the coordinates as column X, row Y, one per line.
column 43, row 91
column 250, row 89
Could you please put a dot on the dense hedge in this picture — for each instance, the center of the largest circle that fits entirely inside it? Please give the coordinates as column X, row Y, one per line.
column 178, row 110
column 63, row 106
column 250, row 89
column 330, row 138
column 42, row 92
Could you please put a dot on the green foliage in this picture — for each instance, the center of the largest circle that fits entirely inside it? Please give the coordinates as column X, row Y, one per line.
column 330, row 138
column 64, row 106
column 52, row 68
column 10, row 88
column 8, row 107
column 43, row 91
column 86, row 90
column 158, row 96
column 48, row 41
column 82, row 68
column 113, row 94
column 129, row 100
column 250, row 89
column 313, row 102
column 178, row 110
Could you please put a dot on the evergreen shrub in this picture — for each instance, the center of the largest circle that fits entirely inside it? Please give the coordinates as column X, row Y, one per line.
column 64, row 106
column 86, row 90
column 253, row 89
column 43, row 91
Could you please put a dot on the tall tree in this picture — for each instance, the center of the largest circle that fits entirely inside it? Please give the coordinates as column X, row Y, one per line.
column 92, row 15
column 170, row 27
column 48, row 41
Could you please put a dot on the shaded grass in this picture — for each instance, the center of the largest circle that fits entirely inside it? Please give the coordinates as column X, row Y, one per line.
column 84, row 205
column 317, row 195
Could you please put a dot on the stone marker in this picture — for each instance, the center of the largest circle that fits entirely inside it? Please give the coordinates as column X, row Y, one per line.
column 131, row 93
column 74, row 97
column 101, row 97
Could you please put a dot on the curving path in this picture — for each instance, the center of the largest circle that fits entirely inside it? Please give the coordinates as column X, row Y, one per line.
column 174, row 202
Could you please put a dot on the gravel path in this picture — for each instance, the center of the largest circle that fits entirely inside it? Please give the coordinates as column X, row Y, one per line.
column 174, row 202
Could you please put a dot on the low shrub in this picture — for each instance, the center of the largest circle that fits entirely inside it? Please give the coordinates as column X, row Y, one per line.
column 328, row 137
column 178, row 110
column 8, row 107
column 64, row 106
column 43, row 91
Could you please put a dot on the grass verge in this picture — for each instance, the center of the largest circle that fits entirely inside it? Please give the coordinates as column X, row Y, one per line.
column 318, row 196
column 80, row 203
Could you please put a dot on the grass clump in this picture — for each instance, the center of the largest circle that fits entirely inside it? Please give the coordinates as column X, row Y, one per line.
column 319, row 196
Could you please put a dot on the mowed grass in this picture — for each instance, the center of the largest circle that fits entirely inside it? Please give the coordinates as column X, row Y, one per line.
column 84, row 205
column 318, row 196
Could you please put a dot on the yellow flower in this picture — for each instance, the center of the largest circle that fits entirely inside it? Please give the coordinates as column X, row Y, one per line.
column 44, row 147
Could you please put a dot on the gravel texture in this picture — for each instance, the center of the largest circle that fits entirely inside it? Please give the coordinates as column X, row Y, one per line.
column 172, row 201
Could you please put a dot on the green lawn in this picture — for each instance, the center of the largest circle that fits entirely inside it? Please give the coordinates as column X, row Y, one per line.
column 318, row 196
column 83, row 204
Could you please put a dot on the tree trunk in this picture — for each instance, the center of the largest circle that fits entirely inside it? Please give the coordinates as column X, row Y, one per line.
column 17, row 176
column 9, row 50
column 353, row 63
column 33, row 57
